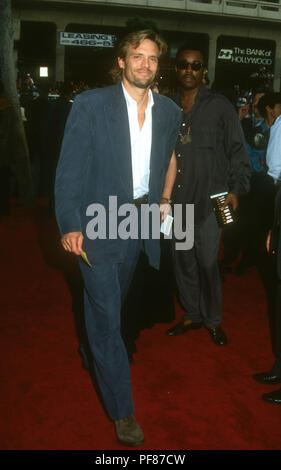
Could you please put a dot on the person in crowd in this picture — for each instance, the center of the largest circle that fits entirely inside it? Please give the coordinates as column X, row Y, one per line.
column 243, row 108
column 118, row 140
column 273, row 377
column 262, row 190
column 212, row 159
column 269, row 107
column 269, row 182
column 39, row 116
column 243, row 237
column 254, row 129
column 257, row 136
column 29, row 82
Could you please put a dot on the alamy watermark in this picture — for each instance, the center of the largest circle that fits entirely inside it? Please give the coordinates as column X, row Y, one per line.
column 143, row 222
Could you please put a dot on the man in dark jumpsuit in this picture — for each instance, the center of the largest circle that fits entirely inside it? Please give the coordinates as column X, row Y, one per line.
column 211, row 158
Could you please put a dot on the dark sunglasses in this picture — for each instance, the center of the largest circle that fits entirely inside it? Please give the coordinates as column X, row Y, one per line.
column 195, row 66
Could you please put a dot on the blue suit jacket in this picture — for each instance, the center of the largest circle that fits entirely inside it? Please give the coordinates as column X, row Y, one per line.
column 95, row 163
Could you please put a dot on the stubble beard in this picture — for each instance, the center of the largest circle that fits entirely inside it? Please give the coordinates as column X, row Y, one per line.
column 135, row 81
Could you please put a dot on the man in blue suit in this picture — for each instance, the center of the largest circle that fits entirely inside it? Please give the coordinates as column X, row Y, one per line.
column 117, row 149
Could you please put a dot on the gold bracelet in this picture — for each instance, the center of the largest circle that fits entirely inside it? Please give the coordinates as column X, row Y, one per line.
column 169, row 201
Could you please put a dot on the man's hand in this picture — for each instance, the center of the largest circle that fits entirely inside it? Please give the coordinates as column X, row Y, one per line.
column 231, row 199
column 165, row 209
column 243, row 111
column 72, row 242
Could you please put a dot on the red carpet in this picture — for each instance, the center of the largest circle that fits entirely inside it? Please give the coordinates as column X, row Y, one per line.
column 189, row 394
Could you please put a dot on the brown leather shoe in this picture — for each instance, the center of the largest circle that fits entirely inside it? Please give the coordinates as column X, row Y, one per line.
column 128, row 431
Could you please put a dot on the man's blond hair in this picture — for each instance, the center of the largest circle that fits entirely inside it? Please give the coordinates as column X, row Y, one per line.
column 134, row 39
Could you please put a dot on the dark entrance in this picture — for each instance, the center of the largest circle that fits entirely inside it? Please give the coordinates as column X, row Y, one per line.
column 37, row 47
column 90, row 64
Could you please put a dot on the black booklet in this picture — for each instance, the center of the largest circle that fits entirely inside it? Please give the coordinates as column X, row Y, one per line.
column 225, row 216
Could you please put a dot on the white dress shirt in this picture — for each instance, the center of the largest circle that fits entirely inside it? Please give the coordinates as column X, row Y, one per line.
column 273, row 153
column 140, row 143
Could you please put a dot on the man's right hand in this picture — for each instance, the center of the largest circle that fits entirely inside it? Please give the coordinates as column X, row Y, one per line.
column 72, row 242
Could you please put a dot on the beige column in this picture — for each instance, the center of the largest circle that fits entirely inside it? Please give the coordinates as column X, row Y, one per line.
column 16, row 35
column 16, row 27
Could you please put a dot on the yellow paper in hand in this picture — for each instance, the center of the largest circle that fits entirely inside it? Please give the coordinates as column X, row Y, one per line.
column 85, row 258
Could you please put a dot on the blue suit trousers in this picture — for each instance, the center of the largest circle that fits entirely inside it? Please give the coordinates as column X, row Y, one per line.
column 105, row 288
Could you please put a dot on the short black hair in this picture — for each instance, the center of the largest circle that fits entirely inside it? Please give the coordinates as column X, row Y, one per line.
column 192, row 46
column 269, row 99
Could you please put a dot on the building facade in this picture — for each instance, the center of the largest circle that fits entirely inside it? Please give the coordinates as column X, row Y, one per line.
column 242, row 38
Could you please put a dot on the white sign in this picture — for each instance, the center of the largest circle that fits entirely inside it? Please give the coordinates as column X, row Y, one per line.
column 87, row 39
column 43, row 72
column 246, row 55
